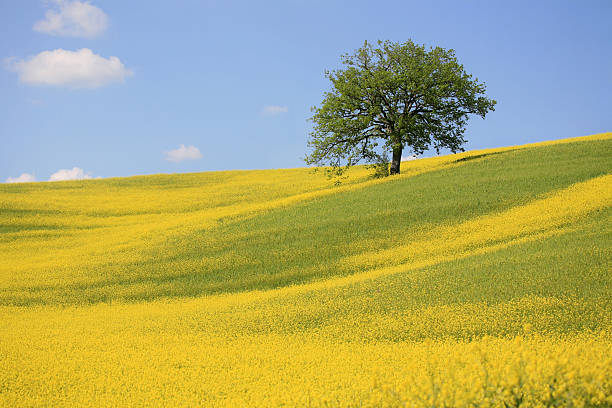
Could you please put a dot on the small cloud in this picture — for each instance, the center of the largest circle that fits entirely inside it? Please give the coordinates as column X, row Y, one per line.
column 183, row 153
column 272, row 110
column 24, row 178
column 64, row 174
column 74, row 69
column 73, row 19
column 408, row 158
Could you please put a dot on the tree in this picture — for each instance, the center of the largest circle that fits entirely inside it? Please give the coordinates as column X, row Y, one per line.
column 395, row 96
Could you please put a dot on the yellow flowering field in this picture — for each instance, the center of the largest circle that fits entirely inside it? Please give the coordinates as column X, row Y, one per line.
column 476, row 279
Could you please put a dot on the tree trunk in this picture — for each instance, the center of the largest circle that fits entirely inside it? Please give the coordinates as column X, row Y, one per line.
column 397, row 159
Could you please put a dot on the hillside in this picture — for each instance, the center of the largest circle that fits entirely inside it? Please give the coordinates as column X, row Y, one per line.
column 476, row 278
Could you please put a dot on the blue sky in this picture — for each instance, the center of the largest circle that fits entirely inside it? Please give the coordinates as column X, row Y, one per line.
column 232, row 82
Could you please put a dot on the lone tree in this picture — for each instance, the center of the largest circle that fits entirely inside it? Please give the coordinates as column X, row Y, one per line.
column 393, row 97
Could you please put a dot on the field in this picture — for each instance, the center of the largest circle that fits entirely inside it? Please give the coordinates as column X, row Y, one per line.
column 476, row 279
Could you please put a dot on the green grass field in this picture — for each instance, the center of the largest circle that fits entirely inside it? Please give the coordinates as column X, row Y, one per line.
column 477, row 279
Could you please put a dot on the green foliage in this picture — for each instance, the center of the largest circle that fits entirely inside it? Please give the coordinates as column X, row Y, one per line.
column 396, row 96
column 380, row 167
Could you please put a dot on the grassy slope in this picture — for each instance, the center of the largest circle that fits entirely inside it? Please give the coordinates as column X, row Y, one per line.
column 286, row 245
column 379, row 263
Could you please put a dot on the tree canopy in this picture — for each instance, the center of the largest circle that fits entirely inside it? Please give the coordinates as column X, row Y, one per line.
column 392, row 97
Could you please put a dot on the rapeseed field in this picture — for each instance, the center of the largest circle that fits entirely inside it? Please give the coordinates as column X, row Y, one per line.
column 481, row 279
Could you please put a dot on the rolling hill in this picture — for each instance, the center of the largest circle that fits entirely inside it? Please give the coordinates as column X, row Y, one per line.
column 481, row 278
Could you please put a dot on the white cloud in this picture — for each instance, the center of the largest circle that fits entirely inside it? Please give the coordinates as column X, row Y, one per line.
column 24, row 178
column 74, row 69
column 183, row 153
column 73, row 19
column 64, row 174
column 408, row 158
column 274, row 110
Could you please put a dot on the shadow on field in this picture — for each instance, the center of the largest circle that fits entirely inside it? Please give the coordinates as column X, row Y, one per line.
column 480, row 156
